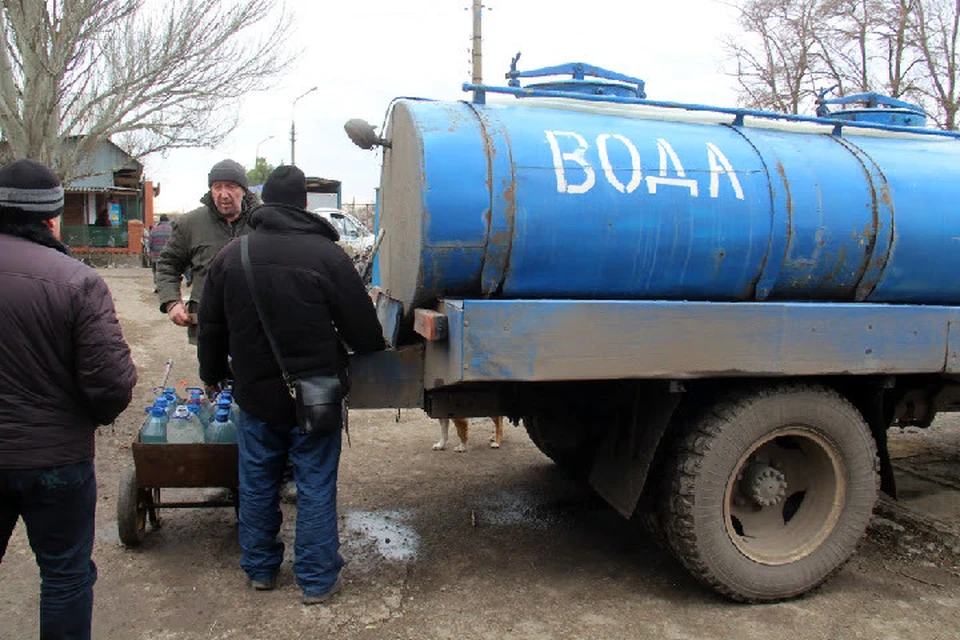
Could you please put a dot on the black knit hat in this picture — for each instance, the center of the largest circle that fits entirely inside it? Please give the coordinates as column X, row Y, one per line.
column 286, row 185
column 30, row 187
column 228, row 171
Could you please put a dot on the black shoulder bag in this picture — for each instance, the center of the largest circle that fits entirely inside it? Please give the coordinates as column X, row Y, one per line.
column 318, row 398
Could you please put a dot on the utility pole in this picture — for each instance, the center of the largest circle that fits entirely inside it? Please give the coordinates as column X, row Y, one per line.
column 477, row 43
column 293, row 127
column 256, row 158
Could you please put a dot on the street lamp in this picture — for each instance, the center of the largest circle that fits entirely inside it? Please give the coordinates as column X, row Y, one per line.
column 256, row 158
column 293, row 126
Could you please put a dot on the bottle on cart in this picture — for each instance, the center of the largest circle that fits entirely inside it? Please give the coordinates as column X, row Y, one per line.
column 199, row 397
column 184, row 427
column 222, row 429
column 173, row 400
column 164, row 404
column 198, row 413
column 155, row 428
column 225, row 399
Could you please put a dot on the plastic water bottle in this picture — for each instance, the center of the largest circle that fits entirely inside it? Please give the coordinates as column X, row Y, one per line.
column 173, row 400
column 164, row 404
column 222, row 428
column 199, row 398
column 184, row 427
column 197, row 412
column 155, row 428
column 225, row 400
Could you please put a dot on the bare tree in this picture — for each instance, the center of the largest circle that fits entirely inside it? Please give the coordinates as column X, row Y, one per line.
column 936, row 33
column 154, row 76
column 863, row 46
column 775, row 51
column 903, row 48
column 901, row 60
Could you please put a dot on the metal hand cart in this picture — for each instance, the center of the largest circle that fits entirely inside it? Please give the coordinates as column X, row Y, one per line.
column 160, row 466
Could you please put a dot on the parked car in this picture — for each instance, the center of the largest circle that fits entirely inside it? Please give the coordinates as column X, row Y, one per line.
column 354, row 236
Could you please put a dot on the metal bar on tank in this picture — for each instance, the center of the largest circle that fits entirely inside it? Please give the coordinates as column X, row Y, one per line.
column 734, row 111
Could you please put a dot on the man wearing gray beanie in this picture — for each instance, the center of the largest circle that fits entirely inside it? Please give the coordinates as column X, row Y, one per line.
column 196, row 239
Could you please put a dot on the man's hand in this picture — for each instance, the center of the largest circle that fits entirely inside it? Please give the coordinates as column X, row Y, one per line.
column 213, row 390
column 178, row 314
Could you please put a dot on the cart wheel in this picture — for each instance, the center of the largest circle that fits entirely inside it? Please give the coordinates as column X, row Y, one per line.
column 131, row 510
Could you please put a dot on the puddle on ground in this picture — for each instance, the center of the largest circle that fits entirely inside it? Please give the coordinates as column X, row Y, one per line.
column 395, row 539
column 518, row 509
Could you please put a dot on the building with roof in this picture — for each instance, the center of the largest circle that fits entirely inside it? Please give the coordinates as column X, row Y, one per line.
column 106, row 211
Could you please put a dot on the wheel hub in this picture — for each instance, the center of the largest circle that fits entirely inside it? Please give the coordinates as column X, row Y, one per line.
column 764, row 485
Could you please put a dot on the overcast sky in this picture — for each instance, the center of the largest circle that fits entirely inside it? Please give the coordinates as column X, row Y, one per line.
column 362, row 53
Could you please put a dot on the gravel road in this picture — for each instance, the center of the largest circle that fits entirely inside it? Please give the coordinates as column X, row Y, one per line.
column 485, row 544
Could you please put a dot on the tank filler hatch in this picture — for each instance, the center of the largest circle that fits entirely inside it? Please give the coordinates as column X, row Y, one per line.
column 871, row 107
column 601, row 82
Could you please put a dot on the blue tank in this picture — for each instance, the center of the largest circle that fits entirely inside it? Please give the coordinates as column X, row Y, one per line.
column 544, row 195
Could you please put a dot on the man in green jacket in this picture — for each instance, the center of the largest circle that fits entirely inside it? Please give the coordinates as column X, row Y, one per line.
column 198, row 236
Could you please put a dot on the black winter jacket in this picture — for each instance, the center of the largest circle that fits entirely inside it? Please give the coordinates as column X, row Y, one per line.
column 64, row 366
column 312, row 297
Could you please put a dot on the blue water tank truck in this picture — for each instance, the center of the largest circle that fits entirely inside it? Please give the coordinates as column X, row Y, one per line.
column 712, row 315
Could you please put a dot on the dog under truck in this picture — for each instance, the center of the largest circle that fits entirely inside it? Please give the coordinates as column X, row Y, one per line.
column 711, row 315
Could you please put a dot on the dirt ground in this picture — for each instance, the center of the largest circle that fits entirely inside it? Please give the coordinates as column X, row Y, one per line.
column 486, row 544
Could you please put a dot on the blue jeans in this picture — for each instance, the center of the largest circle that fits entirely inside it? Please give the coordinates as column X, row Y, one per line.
column 57, row 505
column 264, row 450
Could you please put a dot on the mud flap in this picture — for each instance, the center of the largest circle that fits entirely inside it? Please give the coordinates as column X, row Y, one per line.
column 623, row 459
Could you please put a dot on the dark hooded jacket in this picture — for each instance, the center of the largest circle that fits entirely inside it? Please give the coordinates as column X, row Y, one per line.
column 312, row 297
column 64, row 365
column 196, row 239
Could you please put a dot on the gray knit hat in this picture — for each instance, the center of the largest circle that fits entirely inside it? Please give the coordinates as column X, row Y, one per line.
column 229, row 171
column 30, row 187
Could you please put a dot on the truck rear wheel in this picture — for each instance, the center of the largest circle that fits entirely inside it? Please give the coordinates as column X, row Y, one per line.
column 562, row 440
column 771, row 492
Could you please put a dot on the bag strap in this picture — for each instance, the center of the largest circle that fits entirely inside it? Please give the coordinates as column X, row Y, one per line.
column 248, row 271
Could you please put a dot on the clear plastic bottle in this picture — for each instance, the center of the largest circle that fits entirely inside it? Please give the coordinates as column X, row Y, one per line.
column 197, row 411
column 184, row 427
column 155, row 428
column 222, row 429
column 173, row 400
column 164, row 404
column 199, row 397
column 225, row 400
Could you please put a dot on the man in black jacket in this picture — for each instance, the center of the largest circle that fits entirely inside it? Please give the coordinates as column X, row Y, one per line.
column 312, row 297
column 64, row 369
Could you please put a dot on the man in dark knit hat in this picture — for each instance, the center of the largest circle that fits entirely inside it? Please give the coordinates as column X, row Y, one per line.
column 64, row 369
column 312, row 298
column 198, row 236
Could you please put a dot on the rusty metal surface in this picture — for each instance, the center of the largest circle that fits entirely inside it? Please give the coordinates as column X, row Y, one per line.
column 505, row 200
column 501, row 181
column 186, row 465
column 387, row 379
column 878, row 236
column 580, row 340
